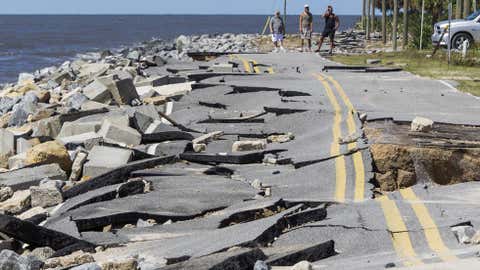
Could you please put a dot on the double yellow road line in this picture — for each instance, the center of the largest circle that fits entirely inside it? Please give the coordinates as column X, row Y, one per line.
column 399, row 232
column 254, row 64
column 340, row 165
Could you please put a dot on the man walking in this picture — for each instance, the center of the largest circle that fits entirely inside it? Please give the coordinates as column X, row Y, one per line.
column 277, row 28
column 331, row 26
column 306, row 27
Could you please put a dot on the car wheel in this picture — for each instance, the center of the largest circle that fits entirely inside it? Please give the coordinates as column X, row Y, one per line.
column 458, row 39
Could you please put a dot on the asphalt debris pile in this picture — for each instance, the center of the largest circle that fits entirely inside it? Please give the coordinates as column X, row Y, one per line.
column 132, row 160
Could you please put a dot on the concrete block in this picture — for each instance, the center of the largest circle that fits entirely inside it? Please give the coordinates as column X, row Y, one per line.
column 24, row 144
column 222, row 68
column 121, row 134
column 153, row 81
column 123, row 91
column 158, row 126
column 7, row 143
column 77, row 166
column 240, row 146
column 92, row 105
column 75, row 128
column 17, row 161
column 172, row 90
column 79, row 139
column 102, row 159
column 141, row 122
column 97, row 91
column 208, row 137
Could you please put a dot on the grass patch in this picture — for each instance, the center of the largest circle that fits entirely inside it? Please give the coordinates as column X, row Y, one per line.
column 465, row 71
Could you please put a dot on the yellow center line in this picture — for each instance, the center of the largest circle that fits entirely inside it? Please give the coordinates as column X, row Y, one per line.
column 359, row 194
column 270, row 70
column 340, row 168
column 430, row 229
column 257, row 69
column 245, row 62
column 399, row 233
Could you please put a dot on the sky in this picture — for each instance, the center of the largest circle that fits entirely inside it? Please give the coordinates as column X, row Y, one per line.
column 345, row 7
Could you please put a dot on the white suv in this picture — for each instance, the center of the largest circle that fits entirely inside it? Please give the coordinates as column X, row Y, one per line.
column 461, row 30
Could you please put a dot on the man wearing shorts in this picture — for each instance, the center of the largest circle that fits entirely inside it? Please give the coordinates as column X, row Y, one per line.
column 277, row 28
column 331, row 26
column 306, row 27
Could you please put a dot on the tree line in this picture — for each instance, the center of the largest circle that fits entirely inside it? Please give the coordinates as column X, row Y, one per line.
column 391, row 9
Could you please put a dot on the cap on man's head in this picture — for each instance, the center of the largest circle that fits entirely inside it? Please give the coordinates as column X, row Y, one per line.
column 306, row 6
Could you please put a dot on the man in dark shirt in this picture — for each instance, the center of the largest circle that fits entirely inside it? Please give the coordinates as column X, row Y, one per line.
column 331, row 26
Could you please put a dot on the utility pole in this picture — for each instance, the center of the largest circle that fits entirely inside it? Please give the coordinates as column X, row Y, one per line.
column 285, row 13
column 384, row 22
column 405, row 24
column 474, row 5
column 395, row 24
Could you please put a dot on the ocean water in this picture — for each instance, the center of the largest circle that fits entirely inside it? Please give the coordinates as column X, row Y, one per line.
column 31, row 42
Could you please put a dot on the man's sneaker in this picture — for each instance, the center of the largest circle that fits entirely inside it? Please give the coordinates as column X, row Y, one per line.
column 282, row 49
column 275, row 50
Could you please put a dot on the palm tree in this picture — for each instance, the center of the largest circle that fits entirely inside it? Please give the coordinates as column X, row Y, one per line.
column 368, row 19
column 364, row 10
column 475, row 5
column 395, row 24
column 458, row 10
column 405, row 24
column 373, row 16
column 466, row 7
column 384, row 22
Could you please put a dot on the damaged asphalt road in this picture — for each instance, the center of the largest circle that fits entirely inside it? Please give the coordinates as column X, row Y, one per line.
column 263, row 158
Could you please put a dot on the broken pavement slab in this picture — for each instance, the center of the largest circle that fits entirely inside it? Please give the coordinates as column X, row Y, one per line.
column 40, row 236
column 24, row 178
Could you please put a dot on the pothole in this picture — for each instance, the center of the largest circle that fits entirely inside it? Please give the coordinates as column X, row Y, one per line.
column 446, row 155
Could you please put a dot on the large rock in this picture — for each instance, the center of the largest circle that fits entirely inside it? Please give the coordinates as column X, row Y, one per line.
column 121, row 264
column 74, row 259
column 102, row 159
column 43, row 253
column 10, row 260
column 240, row 146
column 76, row 100
column 18, row 203
column 51, row 152
column 420, row 124
column 77, row 166
column 48, row 127
column 45, row 196
column 5, row 193
column 121, row 134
